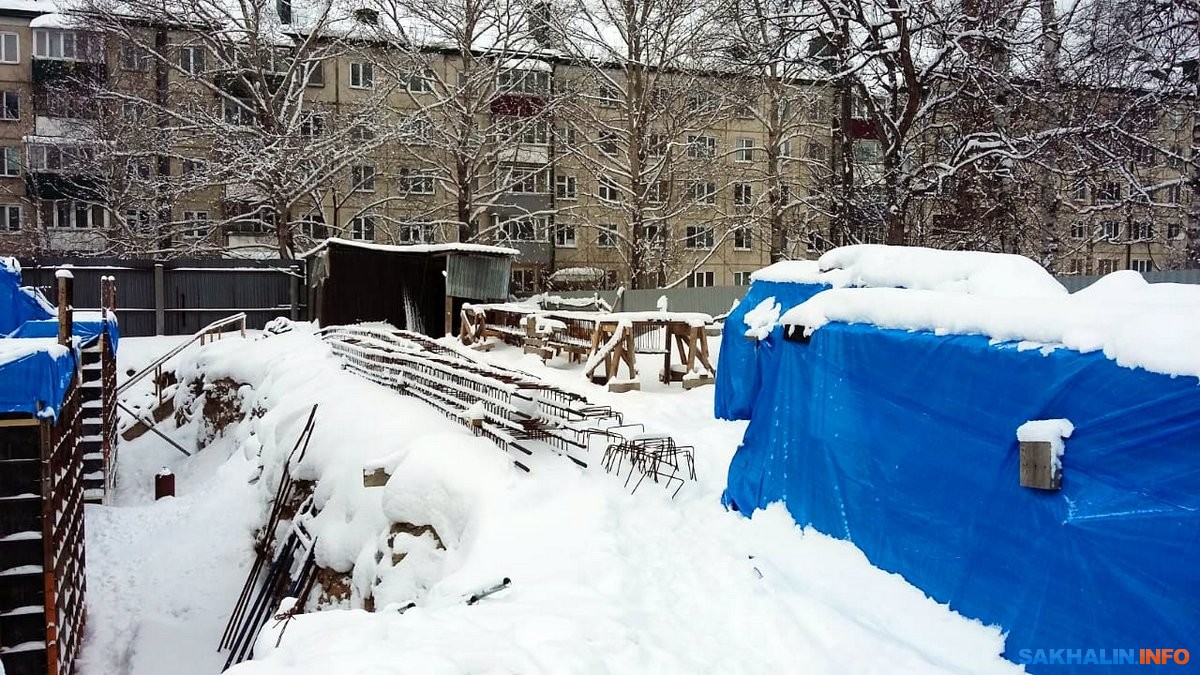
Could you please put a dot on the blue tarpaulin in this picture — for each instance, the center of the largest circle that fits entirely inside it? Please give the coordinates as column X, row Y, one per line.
column 17, row 304
column 734, row 396
column 86, row 331
column 34, row 375
column 905, row 444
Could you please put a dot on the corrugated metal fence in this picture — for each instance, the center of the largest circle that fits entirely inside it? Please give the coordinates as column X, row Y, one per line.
column 179, row 297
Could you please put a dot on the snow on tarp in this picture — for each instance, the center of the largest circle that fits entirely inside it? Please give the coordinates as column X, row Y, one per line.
column 972, row 272
column 1128, row 320
column 902, row 441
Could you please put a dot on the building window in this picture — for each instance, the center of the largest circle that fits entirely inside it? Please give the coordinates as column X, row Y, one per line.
column 138, row 220
column 743, row 194
column 816, row 110
column 313, row 226
column 700, row 280
column 528, row 228
column 702, row 102
column 237, row 113
column 1173, row 194
column 10, row 217
column 10, row 48
column 743, row 238
column 414, row 233
column 741, row 278
column 134, row 58
column 651, row 234
column 12, row 106
column 702, row 146
column 417, row 181
column 566, row 138
column 525, row 180
column 1174, row 230
column 315, row 73
column 137, row 169
column 195, row 224
column 608, row 190
column 606, row 236
column 134, row 112
column 1177, row 157
column 12, row 161
column 1079, row 230
column 564, row 235
column 362, row 178
column 1112, row 229
column 608, row 96
column 1106, row 266
column 702, row 192
column 524, row 280
column 698, row 237
column 1110, row 191
column 745, row 150
column 191, row 59
column 566, row 187
column 65, row 44
column 1141, row 265
column 608, row 143
column 362, row 228
column 816, row 152
column 422, row 82
column 1145, row 155
column 1141, row 230
column 656, row 145
column 657, row 192
column 362, row 75
column 524, row 130
column 1081, row 193
column 865, row 152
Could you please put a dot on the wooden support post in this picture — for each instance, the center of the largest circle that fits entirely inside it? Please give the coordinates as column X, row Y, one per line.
column 160, row 301
column 65, row 292
column 449, row 315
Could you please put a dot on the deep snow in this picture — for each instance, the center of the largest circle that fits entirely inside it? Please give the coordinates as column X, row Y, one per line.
column 602, row 581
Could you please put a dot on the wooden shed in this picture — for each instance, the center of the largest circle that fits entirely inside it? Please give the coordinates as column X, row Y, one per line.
column 420, row 287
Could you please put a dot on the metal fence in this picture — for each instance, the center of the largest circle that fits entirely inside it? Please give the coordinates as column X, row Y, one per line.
column 1074, row 283
column 179, row 297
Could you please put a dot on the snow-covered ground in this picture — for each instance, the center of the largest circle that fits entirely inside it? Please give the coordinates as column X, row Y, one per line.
column 602, row 580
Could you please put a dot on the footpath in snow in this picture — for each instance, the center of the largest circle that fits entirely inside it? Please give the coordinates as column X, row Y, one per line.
column 602, row 580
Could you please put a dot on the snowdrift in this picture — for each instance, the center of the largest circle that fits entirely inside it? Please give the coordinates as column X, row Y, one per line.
column 887, row 418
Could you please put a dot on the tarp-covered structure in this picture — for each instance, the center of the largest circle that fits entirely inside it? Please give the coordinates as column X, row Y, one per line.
column 35, row 371
column 903, row 441
column 406, row 286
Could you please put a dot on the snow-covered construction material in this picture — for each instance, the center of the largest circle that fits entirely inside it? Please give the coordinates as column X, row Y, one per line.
column 890, row 422
column 602, row 581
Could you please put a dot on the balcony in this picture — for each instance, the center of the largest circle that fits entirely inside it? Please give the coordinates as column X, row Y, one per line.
column 71, row 72
column 56, row 185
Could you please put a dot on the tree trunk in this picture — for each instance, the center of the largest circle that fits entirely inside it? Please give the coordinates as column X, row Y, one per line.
column 1193, row 229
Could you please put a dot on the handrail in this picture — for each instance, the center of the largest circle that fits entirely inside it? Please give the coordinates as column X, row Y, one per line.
column 240, row 317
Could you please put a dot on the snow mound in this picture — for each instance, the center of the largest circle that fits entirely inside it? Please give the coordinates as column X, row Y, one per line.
column 801, row 272
column 761, row 320
column 442, row 482
column 975, row 272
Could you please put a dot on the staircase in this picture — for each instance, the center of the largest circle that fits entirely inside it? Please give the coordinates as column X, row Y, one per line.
column 97, row 394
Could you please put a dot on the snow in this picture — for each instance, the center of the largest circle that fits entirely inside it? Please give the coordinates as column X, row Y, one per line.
column 10, row 265
column 602, row 580
column 1136, row 324
column 762, row 319
column 414, row 248
column 63, row 274
column 800, row 272
column 12, row 349
column 1048, row 431
column 974, row 272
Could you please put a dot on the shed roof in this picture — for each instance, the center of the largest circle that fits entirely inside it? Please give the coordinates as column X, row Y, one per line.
column 416, row 249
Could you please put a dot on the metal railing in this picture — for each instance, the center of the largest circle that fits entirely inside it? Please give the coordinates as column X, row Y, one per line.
column 215, row 328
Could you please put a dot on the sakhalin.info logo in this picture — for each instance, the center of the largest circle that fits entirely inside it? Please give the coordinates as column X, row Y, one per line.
column 1104, row 657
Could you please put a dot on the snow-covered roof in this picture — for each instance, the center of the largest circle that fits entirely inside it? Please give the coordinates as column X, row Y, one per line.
column 414, row 248
column 1136, row 324
column 28, row 6
column 800, row 272
column 585, row 273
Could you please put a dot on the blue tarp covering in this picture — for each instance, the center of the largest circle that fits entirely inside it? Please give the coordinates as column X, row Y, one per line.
column 34, row 375
column 86, row 331
column 17, row 305
column 734, row 397
column 905, row 444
